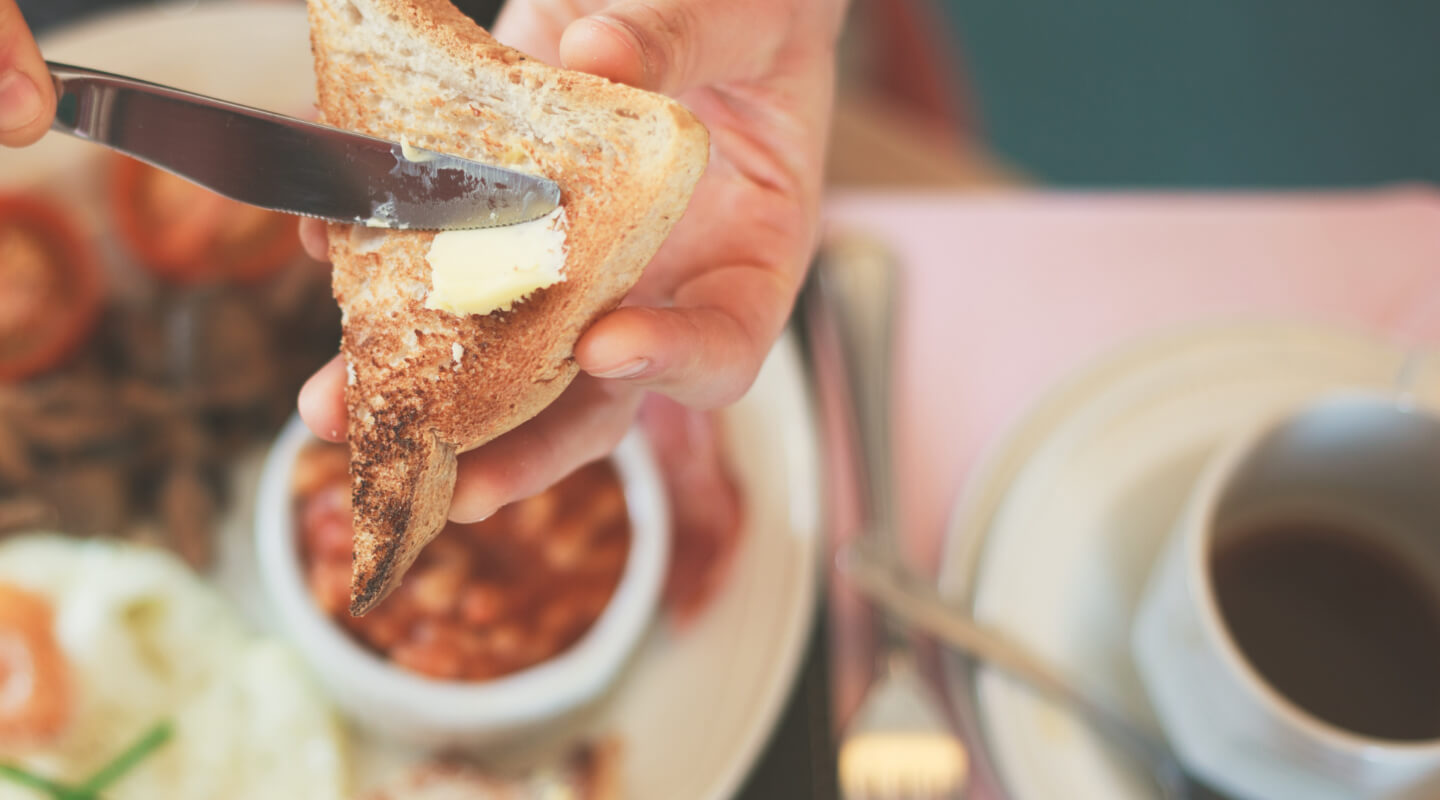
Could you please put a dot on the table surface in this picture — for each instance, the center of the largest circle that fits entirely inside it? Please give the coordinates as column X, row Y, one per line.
column 1008, row 289
column 1006, row 294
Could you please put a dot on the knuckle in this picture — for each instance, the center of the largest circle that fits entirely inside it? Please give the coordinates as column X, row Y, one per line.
column 735, row 385
column 724, row 374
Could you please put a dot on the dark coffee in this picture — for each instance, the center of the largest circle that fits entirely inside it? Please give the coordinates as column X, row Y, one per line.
column 1337, row 623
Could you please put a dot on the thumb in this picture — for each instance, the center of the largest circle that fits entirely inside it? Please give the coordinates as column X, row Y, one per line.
column 27, row 96
column 670, row 46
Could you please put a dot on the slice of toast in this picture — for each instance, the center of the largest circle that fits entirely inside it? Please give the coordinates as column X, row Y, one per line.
column 426, row 384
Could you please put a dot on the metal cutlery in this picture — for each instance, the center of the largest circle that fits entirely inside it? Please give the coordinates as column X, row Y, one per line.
column 290, row 165
column 898, row 745
column 893, row 587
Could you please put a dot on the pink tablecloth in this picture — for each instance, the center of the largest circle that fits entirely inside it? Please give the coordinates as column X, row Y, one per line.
column 1006, row 293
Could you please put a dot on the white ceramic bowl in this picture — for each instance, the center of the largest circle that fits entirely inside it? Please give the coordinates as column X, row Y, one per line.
column 402, row 706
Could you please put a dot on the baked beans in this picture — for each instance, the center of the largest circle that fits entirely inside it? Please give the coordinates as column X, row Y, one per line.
column 483, row 599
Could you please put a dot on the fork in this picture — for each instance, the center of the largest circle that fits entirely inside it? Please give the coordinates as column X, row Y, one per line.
column 893, row 587
column 898, row 745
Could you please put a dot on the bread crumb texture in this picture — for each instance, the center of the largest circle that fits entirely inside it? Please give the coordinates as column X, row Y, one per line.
column 626, row 161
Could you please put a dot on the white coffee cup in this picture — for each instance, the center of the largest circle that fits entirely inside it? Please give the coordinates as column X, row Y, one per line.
column 1362, row 459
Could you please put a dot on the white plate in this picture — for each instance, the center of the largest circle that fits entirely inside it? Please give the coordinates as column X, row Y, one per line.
column 698, row 705
column 1056, row 536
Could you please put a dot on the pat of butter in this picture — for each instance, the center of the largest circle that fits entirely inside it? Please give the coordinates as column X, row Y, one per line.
column 414, row 154
column 490, row 269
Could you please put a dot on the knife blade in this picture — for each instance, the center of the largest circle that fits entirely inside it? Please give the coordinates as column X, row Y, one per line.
column 290, row 165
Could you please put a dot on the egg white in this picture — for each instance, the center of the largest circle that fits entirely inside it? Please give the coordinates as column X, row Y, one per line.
column 147, row 640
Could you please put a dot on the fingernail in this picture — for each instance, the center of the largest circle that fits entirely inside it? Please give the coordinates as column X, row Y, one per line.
column 627, row 370
column 469, row 519
column 19, row 101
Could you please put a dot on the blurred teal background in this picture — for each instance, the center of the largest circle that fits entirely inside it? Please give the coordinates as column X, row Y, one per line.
column 1157, row 93
column 1214, row 93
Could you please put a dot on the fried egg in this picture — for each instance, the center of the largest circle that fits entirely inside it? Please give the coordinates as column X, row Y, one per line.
column 147, row 640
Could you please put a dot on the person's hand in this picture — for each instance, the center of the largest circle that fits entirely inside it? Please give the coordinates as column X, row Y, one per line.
column 697, row 327
column 27, row 97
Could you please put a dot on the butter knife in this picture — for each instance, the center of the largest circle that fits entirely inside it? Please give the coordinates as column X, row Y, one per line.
column 291, row 165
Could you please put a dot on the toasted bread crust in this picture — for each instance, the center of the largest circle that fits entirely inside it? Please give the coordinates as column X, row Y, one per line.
column 626, row 162
column 590, row 771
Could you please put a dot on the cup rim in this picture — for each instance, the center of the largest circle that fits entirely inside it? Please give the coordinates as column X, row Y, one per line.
column 1199, row 522
column 534, row 694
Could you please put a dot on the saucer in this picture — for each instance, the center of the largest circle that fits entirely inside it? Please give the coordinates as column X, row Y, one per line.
column 1056, row 534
